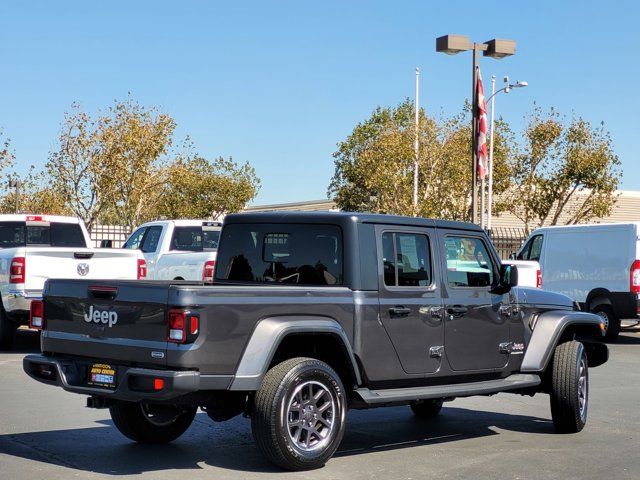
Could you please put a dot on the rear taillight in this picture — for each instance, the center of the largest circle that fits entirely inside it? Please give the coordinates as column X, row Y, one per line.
column 207, row 271
column 17, row 270
column 182, row 326
column 142, row 269
column 36, row 314
column 539, row 278
column 634, row 277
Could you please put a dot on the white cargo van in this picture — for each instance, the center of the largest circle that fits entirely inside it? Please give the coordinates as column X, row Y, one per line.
column 596, row 265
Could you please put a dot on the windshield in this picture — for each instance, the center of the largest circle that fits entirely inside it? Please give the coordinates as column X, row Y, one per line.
column 210, row 239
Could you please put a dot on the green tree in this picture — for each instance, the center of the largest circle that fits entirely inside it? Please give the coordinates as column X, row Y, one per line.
column 111, row 168
column 374, row 164
column 565, row 172
column 198, row 188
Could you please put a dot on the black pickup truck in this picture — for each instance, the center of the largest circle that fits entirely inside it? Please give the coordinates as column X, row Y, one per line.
column 311, row 314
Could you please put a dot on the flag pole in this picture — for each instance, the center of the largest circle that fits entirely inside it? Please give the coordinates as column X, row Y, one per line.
column 416, row 145
column 493, row 108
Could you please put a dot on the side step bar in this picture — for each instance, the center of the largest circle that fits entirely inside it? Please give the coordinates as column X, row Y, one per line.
column 400, row 395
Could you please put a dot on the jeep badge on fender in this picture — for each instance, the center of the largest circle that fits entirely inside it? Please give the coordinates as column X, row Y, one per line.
column 97, row 316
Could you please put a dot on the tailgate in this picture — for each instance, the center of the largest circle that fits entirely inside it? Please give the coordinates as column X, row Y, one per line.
column 122, row 322
column 43, row 263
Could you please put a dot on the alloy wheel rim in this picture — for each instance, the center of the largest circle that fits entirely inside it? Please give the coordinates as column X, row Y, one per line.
column 583, row 387
column 311, row 415
column 605, row 317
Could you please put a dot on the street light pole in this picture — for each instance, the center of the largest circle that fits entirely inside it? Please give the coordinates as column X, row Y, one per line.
column 16, row 184
column 492, row 99
column 416, row 145
column 474, row 135
column 453, row 44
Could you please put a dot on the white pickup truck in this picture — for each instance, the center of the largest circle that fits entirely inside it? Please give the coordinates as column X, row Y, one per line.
column 177, row 249
column 34, row 248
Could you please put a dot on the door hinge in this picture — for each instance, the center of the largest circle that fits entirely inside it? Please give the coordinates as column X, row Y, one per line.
column 505, row 347
column 436, row 352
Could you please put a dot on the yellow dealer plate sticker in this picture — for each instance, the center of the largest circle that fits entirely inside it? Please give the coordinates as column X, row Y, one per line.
column 102, row 375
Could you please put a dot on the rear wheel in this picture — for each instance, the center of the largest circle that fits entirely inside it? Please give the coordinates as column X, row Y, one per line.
column 427, row 408
column 299, row 413
column 7, row 330
column 569, row 387
column 145, row 423
column 611, row 321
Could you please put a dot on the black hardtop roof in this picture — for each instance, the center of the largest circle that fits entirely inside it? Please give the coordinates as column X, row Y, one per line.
column 340, row 218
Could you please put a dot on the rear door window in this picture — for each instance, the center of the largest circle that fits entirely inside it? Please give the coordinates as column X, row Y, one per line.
column 281, row 254
column 187, row 239
column 406, row 259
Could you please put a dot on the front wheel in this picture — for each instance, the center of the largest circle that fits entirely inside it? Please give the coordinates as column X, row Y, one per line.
column 299, row 413
column 611, row 322
column 148, row 423
column 569, row 387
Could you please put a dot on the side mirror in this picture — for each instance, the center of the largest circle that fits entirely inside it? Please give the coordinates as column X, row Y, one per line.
column 106, row 243
column 508, row 276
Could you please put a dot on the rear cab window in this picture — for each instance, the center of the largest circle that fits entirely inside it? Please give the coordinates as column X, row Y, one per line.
column 301, row 254
column 50, row 234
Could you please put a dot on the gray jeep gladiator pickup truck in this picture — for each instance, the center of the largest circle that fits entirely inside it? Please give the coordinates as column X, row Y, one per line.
column 311, row 314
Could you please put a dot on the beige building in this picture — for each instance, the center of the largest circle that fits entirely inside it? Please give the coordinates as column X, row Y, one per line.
column 627, row 209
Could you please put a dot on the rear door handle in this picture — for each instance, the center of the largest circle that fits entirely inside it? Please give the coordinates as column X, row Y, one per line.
column 399, row 311
column 457, row 310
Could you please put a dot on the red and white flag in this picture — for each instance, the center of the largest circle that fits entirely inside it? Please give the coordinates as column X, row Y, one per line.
column 481, row 132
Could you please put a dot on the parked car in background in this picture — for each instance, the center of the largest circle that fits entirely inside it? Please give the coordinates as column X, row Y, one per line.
column 529, row 272
column 34, row 248
column 596, row 265
column 177, row 249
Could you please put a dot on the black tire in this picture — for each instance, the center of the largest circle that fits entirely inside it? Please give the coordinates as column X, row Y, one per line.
column 427, row 408
column 613, row 322
column 569, row 394
column 151, row 423
column 281, row 416
column 7, row 330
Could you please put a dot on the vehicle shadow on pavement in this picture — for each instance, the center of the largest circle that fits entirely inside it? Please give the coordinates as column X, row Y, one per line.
column 230, row 446
column 628, row 337
column 26, row 341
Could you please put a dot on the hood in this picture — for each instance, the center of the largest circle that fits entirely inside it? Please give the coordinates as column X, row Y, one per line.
column 537, row 296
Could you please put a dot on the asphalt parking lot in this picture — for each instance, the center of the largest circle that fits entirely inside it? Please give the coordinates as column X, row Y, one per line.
column 48, row 433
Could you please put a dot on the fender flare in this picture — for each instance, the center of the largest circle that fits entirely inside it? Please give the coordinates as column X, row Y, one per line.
column 598, row 296
column 266, row 339
column 547, row 332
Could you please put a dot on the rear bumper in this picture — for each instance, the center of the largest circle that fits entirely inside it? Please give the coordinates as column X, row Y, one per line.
column 70, row 374
column 18, row 302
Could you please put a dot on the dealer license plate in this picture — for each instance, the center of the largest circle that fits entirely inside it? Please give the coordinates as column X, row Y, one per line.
column 102, row 375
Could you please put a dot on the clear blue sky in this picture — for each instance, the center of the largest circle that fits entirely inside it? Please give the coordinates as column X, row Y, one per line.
column 278, row 84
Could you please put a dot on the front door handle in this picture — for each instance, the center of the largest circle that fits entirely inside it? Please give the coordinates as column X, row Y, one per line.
column 399, row 311
column 457, row 310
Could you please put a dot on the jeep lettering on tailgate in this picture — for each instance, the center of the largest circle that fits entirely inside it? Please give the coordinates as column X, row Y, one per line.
column 101, row 316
